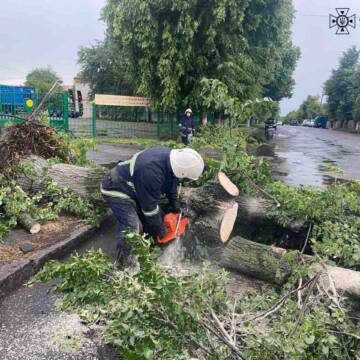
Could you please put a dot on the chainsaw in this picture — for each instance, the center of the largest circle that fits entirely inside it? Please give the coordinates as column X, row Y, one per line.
column 176, row 226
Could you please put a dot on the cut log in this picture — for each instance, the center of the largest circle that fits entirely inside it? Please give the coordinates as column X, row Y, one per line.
column 227, row 223
column 273, row 264
column 213, row 210
column 28, row 223
column 254, row 209
column 257, row 260
column 228, row 185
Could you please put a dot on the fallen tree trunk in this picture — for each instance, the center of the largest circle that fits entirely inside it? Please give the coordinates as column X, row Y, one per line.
column 256, row 260
column 254, row 209
column 28, row 223
column 83, row 181
column 214, row 207
column 213, row 211
column 274, row 265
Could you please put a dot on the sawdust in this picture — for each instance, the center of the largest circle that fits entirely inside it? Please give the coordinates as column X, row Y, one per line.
column 57, row 336
column 172, row 254
column 51, row 233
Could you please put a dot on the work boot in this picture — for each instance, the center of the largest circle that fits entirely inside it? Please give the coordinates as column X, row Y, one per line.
column 131, row 265
column 127, row 262
column 121, row 259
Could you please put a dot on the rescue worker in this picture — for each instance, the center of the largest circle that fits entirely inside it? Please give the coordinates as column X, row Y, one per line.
column 187, row 127
column 133, row 188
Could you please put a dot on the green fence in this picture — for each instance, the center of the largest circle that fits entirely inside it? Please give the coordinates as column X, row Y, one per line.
column 106, row 120
column 120, row 121
column 57, row 108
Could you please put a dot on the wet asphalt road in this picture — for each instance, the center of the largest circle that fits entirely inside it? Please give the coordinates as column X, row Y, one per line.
column 301, row 153
column 31, row 329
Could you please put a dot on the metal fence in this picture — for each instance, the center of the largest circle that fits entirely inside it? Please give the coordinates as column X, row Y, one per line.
column 104, row 120
column 119, row 121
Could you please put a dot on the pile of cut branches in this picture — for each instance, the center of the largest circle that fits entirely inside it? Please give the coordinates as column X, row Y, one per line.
column 156, row 315
column 19, row 141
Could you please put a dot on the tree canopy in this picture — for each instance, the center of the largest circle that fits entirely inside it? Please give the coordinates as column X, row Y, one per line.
column 106, row 70
column 164, row 49
column 310, row 108
column 343, row 86
column 42, row 79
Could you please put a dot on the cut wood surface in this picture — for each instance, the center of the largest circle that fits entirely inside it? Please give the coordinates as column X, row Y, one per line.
column 227, row 184
column 227, row 223
column 29, row 224
column 213, row 210
column 272, row 264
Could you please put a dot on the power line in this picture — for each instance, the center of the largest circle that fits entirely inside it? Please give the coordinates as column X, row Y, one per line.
column 312, row 15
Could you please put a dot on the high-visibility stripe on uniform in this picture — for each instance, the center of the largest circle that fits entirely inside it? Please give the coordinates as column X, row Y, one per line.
column 114, row 193
column 131, row 185
column 152, row 213
column 131, row 162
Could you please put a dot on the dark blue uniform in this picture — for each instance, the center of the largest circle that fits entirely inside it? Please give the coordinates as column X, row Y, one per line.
column 132, row 190
column 187, row 127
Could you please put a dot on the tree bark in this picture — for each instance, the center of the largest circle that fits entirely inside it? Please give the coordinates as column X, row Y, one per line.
column 256, row 260
column 273, row 264
column 254, row 209
column 83, row 181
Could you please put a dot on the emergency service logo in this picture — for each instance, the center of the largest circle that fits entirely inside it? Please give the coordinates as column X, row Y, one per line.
column 342, row 21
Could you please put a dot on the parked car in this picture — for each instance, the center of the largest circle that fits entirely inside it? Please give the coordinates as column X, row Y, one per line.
column 280, row 123
column 305, row 123
column 308, row 123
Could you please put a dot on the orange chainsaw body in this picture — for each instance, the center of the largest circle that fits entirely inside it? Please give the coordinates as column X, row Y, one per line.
column 171, row 221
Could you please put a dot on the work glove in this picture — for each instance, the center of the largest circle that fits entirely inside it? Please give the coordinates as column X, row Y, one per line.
column 175, row 207
column 161, row 231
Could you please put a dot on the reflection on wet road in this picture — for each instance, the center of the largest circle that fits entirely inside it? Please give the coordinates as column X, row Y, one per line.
column 302, row 152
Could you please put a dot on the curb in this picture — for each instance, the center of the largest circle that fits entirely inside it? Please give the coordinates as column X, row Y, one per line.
column 14, row 275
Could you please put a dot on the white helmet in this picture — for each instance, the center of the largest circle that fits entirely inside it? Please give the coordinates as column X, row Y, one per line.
column 188, row 111
column 186, row 163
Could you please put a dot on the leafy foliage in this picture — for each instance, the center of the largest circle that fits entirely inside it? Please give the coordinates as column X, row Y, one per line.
column 343, row 85
column 215, row 95
column 164, row 49
column 106, row 70
column 309, row 109
column 333, row 212
column 44, row 206
column 42, row 79
column 156, row 315
column 216, row 136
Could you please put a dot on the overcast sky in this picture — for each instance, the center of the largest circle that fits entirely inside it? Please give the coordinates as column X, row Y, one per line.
column 39, row 33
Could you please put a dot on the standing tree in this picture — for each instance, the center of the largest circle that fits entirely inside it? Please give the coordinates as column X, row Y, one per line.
column 107, row 70
column 310, row 108
column 291, row 116
column 340, row 87
column 170, row 46
column 42, row 79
